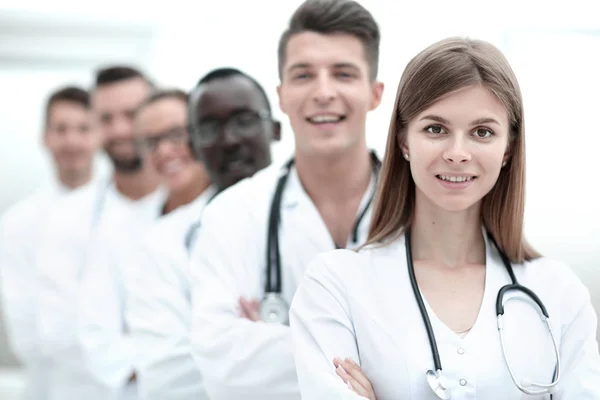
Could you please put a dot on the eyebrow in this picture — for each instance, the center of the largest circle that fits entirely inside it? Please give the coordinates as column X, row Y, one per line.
column 478, row 121
column 336, row 65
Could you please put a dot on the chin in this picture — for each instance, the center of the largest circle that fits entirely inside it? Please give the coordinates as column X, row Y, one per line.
column 328, row 148
column 455, row 205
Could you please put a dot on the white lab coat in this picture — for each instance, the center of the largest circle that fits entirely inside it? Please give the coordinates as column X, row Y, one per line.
column 158, row 307
column 240, row 358
column 79, row 314
column 361, row 305
column 19, row 235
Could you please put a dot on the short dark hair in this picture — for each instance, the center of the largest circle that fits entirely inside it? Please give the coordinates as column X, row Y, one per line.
column 118, row 73
column 227, row 72
column 161, row 94
column 72, row 94
column 334, row 16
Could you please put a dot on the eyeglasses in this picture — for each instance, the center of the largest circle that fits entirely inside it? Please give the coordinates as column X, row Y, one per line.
column 246, row 124
column 176, row 136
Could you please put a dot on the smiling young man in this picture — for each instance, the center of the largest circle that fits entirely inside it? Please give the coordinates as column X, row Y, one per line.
column 75, row 245
column 318, row 201
column 72, row 144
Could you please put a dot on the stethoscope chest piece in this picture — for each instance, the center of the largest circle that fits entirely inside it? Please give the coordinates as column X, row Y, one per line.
column 274, row 310
column 437, row 382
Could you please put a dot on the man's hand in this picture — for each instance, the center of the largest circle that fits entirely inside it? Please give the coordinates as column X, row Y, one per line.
column 250, row 309
column 354, row 377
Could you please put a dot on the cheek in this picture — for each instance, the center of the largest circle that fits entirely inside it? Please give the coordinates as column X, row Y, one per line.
column 153, row 157
column 211, row 156
column 360, row 97
column 183, row 151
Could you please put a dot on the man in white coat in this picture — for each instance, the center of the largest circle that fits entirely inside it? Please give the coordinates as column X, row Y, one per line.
column 235, row 108
column 255, row 241
column 76, row 240
column 72, row 143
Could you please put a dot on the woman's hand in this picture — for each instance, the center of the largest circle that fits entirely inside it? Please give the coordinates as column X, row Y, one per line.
column 250, row 309
column 354, row 377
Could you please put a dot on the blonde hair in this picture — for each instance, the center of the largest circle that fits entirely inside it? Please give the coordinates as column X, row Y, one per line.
column 442, row 68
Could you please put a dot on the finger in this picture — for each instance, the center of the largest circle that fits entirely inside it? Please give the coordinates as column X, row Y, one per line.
column 357, row 373
column 254, row 314
column 250, row 309
column 352, row 384
column 244, row 308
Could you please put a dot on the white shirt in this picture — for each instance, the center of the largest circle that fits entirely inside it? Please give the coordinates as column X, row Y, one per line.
column 240, row 358
column 80, row 314
column 19, row 234
column 361, row 305
column 158, row 312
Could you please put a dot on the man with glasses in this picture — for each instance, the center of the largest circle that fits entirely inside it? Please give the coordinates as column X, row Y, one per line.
column 257, row 238
column 232, row 130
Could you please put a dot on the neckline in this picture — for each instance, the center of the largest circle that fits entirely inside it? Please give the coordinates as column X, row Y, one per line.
column 485, row 304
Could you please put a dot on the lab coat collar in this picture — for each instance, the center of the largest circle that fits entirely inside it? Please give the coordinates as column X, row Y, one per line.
column 204, row 198
column 294, row 191
column 306, row 217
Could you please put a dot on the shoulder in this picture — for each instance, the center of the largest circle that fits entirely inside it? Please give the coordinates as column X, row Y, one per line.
column 29, row 211
column 552, row 273
column 354, row 267
column 557, row 283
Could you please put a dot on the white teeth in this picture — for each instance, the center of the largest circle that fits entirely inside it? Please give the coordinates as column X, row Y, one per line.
column 455, row 178
column 325, row 118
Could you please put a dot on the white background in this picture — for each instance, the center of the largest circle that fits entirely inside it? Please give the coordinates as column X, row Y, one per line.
column 554, row 49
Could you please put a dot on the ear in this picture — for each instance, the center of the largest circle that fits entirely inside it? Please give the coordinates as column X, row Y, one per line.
column 276, row 131
column 281, row 106
column 401, row 144
column 376, row 94
column 45, row 138
column 507, row 154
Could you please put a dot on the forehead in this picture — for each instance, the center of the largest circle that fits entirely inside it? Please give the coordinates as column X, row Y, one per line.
column 464, row 105
column 324, row 50
column 66, row 109
column 222, row 97
column 127, row 94
column 162, row 114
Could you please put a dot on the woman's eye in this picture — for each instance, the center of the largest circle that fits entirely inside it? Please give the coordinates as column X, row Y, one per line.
column 483, row 133
column 435, row 129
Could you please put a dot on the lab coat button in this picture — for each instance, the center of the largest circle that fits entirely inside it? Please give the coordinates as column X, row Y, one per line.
column 461, row 351
column 463, row 382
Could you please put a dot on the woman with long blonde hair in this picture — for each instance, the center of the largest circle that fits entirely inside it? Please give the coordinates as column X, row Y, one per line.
column 447, row 299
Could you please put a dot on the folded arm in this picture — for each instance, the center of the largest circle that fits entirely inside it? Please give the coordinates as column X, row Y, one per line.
column 324, row 337
column 239, row 358
column 158, row 315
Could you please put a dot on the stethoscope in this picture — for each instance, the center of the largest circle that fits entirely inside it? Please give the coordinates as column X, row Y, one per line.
column 273, row 308
column 436, row 379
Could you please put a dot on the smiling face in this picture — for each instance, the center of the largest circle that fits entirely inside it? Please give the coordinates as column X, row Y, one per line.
column 70, row 138
column 232, row 129
column 326, row 92
column 162, row 127
column 114, row 105
column 456, row 148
